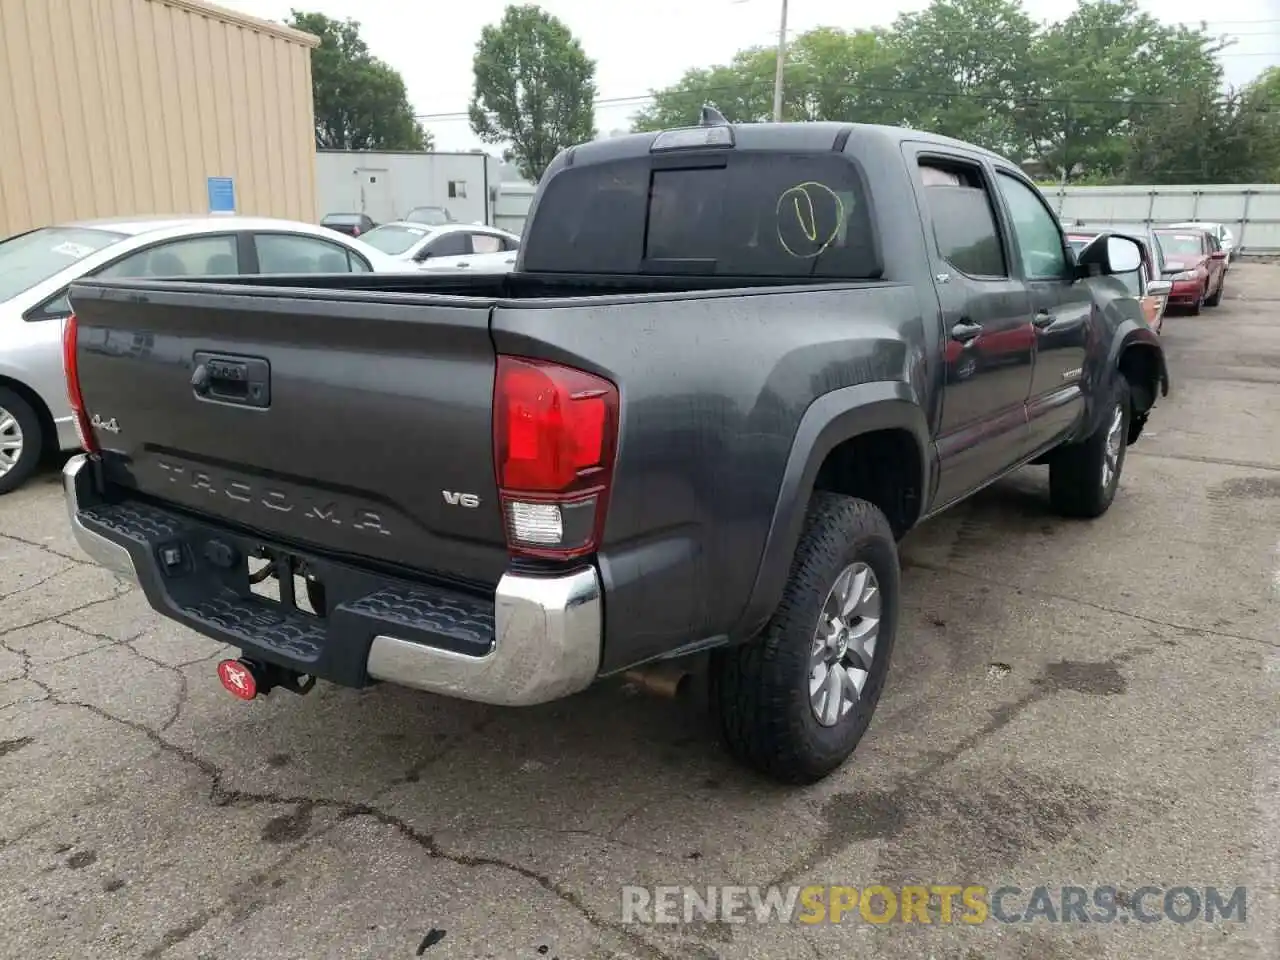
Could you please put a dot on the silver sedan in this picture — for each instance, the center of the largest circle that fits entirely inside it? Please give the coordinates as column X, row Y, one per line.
column 37, row 267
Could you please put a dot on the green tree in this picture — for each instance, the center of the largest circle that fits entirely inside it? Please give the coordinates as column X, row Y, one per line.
column 963, row 65
column 829, row 74
column 1107, row 77
column 534, row 89
column 360, row 101
column 1107, row 92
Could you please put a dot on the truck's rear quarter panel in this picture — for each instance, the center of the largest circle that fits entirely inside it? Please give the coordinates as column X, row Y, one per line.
column 377, row 406
column 713, row 389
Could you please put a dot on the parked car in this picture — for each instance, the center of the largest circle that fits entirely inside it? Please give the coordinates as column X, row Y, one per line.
column 1219, row 232
column 352, row 224
column 685, row 433
column 1147, row 284
column 431, row 216
column 447, row 245
column 36, row 268
column 1195, row 264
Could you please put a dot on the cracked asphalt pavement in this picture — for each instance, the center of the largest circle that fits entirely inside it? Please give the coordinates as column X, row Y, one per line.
column 1070, row 703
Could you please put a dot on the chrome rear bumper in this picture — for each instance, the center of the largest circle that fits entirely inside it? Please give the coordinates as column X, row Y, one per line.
column 546, row 640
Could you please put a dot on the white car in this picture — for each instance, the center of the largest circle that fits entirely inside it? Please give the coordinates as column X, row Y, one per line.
column 37, row 267
column 1218, row 231
column 445, row 245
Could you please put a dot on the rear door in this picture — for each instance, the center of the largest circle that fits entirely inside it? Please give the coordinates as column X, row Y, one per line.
column 1062, row 309
column 986, row 320
column 334, row 420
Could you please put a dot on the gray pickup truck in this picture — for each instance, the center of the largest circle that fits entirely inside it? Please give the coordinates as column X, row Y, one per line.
column 733, row 366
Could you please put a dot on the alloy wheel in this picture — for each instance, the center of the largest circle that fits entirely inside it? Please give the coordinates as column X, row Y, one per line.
column 10, row 441
column 1115, row 441
column 844, row 644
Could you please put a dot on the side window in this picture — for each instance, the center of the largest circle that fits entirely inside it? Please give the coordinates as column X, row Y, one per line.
column 456, row 244
column 964, row 224
column 291, row 253
column 510, row 243
column 1035, row 231
column 213, row 256
column 57, row 308
column 486, row 243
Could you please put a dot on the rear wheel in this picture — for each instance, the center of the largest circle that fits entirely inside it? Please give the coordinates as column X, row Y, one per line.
column 21, row 440
column 1084, row 477
column 794, row 702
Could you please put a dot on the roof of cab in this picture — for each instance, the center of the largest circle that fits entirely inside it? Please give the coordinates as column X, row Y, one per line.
column 776, row 136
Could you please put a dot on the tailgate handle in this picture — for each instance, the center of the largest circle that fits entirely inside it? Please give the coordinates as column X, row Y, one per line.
column 245, row 381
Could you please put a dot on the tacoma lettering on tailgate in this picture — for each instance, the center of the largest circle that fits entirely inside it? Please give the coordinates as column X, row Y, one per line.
column 275, row 499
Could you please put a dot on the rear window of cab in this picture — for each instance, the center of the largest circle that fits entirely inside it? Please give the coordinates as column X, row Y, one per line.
column 762, row 214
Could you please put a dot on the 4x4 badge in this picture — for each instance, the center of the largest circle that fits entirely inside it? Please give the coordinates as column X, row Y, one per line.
column 108, row 425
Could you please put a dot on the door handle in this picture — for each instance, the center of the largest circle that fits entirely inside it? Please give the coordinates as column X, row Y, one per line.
column 1042, row 319
column 964, row 331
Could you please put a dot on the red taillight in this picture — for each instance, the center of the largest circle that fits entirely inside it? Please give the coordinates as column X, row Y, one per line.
column 71, row 371
column 555, row 435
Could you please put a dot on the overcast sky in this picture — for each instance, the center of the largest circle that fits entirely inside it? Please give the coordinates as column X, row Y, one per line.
column 642, row 45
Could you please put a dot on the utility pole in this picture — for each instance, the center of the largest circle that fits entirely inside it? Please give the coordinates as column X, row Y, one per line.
column 782, row 56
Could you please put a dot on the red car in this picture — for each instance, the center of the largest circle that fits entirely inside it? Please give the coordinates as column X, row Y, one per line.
column 1195, row 264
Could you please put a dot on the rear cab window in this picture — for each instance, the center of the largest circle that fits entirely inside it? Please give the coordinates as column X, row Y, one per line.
column 767, row 214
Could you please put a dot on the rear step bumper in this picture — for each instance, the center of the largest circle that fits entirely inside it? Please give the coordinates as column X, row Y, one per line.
column 539, row 639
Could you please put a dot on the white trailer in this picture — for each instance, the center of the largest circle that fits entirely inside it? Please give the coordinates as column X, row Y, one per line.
column 386, row 186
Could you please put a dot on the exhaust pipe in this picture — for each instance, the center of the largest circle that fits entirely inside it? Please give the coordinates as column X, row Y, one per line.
column 660, row 680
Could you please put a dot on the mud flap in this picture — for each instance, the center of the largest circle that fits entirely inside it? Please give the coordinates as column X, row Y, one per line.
column 1136, row 422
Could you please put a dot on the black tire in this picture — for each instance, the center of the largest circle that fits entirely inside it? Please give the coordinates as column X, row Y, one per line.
column 32, row 440
column 1076, row 487
column 760, row 690
column 1217, row 294
column 1195, row 308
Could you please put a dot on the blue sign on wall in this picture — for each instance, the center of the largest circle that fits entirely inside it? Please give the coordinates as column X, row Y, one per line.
column 222, row 195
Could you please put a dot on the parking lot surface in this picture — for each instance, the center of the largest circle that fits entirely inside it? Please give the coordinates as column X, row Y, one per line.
column 1088, row 704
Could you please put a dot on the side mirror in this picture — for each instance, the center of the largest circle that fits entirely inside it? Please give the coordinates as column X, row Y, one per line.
column 1159, row 288
column 1108, row 254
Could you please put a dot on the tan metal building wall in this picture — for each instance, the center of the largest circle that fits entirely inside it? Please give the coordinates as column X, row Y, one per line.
column 123, row 107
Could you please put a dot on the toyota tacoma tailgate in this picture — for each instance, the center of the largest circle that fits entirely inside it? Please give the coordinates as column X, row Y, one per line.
column 330, row 420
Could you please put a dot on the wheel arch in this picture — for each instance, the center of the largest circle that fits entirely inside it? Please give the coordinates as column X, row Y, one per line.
column 48, row 429
column 832, row 449
column 1136, row 355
